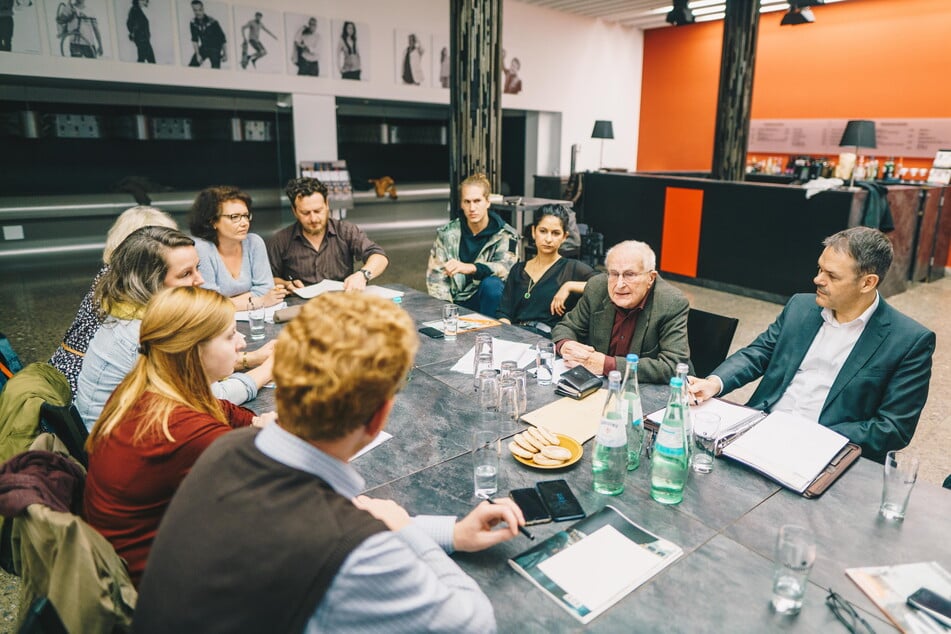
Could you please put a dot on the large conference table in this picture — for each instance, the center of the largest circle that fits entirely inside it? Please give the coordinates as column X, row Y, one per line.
column 726, row 524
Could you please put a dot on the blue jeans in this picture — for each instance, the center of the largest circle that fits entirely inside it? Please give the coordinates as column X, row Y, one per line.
column 487, row 298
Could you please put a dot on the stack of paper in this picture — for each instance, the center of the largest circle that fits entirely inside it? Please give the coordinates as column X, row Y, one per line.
column 329, row 286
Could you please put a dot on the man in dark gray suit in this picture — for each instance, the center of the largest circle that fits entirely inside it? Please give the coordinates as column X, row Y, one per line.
column 843, row 356
column 630, row 309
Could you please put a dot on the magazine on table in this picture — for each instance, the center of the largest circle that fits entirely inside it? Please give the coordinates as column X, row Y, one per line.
column 595, row 562
column 890, row 586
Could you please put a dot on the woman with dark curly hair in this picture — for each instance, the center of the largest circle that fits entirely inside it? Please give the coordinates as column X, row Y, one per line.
column 232, row 260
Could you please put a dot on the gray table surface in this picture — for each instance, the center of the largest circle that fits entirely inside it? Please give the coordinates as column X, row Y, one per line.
column 726, row 524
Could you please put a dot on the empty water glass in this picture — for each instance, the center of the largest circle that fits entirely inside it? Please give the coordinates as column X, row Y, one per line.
column 795, row 553
column 450, row 321
column 508, row 407
column 520, row 384
column 901, row 473
column 506, row 367
column 482, row 357
column 489, row 390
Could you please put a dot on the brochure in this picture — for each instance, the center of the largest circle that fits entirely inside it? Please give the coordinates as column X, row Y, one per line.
column 595, row 562
column 890, row 586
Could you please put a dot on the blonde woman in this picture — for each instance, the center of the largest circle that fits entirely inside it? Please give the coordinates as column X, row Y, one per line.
column 162, row 417
column 68, row 358
column 149, row 259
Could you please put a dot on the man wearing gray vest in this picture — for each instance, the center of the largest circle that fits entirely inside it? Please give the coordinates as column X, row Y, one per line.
column 268, row 532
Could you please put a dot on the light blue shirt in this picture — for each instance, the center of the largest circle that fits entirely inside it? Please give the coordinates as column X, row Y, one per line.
column 392, row 582
column 255, row 269
column 112, row 354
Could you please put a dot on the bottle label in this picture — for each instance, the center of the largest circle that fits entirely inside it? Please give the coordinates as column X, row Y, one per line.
column 670, row 441
column 611, row 433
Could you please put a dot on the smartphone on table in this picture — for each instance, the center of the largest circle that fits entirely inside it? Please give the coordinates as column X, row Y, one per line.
column 560, row 501
column 433, row 333
column 532, row 506
column 932, row 604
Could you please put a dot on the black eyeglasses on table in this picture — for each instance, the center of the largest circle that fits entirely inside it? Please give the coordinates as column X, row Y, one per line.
column 847, row 615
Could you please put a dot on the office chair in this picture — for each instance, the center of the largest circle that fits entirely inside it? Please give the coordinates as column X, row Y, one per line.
column 709, row 336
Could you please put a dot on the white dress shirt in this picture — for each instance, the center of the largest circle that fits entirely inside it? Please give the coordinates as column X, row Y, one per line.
column 810, row 386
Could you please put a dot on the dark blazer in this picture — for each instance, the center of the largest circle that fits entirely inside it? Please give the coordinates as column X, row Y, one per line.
column 660, row 336
column 877, row 397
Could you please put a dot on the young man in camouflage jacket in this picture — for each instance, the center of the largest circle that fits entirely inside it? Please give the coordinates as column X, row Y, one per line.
column 470, row 260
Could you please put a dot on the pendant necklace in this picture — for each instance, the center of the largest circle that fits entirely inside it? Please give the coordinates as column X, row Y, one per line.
column 531, row 285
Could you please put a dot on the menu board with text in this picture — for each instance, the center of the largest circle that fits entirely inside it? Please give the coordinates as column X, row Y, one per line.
column 920, row 138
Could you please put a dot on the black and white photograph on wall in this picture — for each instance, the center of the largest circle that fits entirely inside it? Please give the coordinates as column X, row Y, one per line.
column 412, row 57
column 203, row 33
column 79, row 28
column 441, row 61
column 308, row 44
column 510, row 70
column 145, row 31
column 19, row 27
column 351, row 50
column 260, row 39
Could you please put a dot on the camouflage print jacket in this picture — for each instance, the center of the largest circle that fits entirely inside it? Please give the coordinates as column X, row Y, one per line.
column 498, row 254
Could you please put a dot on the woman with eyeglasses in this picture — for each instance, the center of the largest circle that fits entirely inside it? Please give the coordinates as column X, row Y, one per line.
column 540, row 291
column 161, row 417
column 232, row 260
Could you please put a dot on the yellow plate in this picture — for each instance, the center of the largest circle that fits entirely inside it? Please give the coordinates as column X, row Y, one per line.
column 568, row 443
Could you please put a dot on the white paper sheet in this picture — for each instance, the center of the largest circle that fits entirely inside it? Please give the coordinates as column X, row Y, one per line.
column 242, row 315
column 599, row 567
column 327, row 286
column 790, row 448
column 502, row 350
column 732, row 416
column 381, row 438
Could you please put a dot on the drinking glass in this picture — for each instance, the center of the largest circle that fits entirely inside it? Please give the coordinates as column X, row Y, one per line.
column 508, row 407
column 706, row 428
column 256, row 322
column 795, row 555
column 482, row 357
column 521, row 380
column 506, row 368
column 485, row 462
column 489, row 390
column 450, row 321
column 544, row 362
column 901, row 473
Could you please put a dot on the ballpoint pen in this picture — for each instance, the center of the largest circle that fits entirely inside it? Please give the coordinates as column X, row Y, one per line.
column 521, row 529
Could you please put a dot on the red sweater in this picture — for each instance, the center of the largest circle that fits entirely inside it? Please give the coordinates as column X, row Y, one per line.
column 128, row 487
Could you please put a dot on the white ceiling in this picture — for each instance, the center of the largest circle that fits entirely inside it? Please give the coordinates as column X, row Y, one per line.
column 649, row 14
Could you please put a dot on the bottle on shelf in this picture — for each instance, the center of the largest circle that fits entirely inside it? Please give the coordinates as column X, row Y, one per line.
column 859, row 170
column 669, row 461
column 609, row 463
column 634, row 414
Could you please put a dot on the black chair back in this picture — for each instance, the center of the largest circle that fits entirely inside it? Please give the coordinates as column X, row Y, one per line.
column 65, row 423
column 709, row 336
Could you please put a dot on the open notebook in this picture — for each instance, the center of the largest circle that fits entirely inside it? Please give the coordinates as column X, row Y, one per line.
column 796, row 452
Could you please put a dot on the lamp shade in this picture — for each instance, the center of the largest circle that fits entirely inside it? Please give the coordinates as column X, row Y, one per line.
column 859, row 133
column 603, row 130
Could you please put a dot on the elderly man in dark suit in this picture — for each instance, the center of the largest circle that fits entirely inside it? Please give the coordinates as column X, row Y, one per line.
column 630, row 309
column 843, row 356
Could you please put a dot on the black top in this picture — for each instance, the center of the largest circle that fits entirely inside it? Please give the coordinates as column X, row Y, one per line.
column 470, row 245
column 537, row 307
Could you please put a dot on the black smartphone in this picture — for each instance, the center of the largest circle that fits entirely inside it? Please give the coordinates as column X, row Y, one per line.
column 932, row 604
column 532, row 506
column 433, row 333
column 560, row 501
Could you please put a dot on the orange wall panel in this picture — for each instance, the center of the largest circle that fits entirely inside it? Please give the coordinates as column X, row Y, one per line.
column 680, row 244
column 860, row 59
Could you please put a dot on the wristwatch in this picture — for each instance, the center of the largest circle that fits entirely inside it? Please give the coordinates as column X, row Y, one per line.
column 366, row 274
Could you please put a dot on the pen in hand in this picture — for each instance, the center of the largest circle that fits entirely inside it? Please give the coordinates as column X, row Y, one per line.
column 521, row 529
